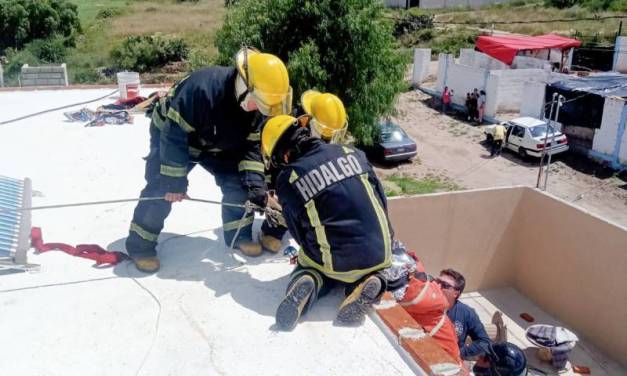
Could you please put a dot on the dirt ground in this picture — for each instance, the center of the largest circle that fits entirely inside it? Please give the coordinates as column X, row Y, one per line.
column 452, row 149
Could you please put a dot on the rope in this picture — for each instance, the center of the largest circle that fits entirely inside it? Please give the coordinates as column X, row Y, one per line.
column 56, row 109
column 8, row 209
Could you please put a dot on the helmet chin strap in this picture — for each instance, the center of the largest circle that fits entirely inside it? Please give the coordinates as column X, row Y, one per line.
column 241, row 90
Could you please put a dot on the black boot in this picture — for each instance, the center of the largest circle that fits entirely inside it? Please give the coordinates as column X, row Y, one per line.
column 295, row 300
column 354, row 308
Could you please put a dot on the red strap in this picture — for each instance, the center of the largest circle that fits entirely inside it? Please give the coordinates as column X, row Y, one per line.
column 89, row 251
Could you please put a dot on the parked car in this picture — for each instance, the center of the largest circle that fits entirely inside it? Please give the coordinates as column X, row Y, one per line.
column 525, row 136
column 392, row 144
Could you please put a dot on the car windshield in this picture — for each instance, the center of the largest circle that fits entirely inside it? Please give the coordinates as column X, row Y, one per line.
column 540, row 131
column 391, row 132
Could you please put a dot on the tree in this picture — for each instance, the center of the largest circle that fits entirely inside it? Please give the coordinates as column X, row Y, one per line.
column 22, row 21
column 343, row 47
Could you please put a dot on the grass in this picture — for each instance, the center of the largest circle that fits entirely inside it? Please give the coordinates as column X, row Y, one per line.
column 196, row 23
column 396, row 185
column 88, row 9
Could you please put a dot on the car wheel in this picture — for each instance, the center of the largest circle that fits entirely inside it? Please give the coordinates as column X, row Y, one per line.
column 489, row 138
column 523, row 154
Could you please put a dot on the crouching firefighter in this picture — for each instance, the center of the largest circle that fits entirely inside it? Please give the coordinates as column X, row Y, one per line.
column 335, row 209
column 210, row 118
column 325, row 116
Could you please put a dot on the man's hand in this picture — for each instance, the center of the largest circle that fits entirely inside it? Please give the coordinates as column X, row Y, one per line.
column 175, row 197
column 273, row 201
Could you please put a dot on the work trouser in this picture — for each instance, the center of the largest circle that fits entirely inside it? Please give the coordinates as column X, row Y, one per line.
column 149, row 216
column 497, row 145
column 325, row 284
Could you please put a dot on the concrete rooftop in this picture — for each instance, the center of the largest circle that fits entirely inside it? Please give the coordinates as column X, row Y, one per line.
column 194, row 317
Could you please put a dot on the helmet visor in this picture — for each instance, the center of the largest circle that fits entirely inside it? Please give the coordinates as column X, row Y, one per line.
column 331, row 135
column 272, row 104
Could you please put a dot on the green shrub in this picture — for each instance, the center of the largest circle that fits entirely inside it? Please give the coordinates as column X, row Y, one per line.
column 344, row 47
column 22, row 21
column 618, row 6
column 146, row 52
column 37, row 52
column 593, row 5
column 452, row 40
column 52, row 50
column 409, row 23
column 15, row 59
column 84, row 76
column 108, row 13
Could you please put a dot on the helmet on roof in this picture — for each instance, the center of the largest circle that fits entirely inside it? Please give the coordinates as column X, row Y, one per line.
column 328, row 115
column 264, row 79
column 276, row 131
column 507, row 359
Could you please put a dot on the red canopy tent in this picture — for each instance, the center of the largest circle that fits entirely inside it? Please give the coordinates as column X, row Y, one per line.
column 505, row 47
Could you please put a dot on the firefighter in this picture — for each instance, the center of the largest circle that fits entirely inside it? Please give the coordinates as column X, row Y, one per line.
column 210, row 118
column 335, row 208
column 325, row 115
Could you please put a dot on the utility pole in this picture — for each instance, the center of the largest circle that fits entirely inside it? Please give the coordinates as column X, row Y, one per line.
column 560, row 102
column 553, row 101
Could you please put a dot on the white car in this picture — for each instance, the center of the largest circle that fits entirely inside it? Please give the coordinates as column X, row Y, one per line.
column 525, row 136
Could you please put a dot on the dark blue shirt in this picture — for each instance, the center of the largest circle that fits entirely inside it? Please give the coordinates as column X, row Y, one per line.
column 467, row 323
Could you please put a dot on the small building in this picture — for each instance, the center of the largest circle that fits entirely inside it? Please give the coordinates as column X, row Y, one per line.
column 594, row 115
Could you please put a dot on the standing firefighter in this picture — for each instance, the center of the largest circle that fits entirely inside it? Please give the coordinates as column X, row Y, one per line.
column 209, row 118
column 326, row 118
column 335, row 209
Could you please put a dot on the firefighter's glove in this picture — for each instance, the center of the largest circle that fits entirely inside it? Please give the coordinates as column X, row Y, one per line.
column 258, row 197
column 274, row 217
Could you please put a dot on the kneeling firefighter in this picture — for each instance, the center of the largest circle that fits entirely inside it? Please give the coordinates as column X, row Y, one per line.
column 335, row 208
column 210, row 118
column 325, row 116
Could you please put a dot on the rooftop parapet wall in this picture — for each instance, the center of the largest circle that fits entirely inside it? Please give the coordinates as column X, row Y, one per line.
column 570, row 262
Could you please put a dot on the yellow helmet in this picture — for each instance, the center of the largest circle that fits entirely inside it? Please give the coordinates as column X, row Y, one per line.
column 266, row 80
column 329, row 120
column 272, row 132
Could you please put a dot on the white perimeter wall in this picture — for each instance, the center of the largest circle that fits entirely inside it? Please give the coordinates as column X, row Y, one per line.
column 605, row 137
column 533, row 99
column 470, row 57
column 503, row 88
column 422, row 58
column 511, row 85
column 620, row 55
column 525, row 62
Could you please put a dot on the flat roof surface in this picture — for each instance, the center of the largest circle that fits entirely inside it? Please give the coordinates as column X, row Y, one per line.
column 193, row 317
column 512, row 303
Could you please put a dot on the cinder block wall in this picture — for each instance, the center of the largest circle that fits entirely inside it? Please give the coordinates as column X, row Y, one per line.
column 50, row 75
